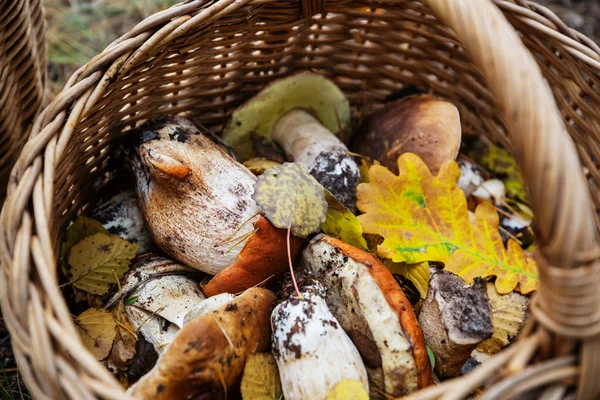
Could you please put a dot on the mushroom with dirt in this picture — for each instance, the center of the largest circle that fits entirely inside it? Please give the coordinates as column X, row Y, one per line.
column 455, row 318
column 424, row 125
column 158, row 293
column 208, row 355
column 197, row 205
column 299, row 113
column 372, row 308
column 312, row 351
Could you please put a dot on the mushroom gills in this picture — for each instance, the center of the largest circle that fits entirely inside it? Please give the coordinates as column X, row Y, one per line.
column 306, row 141
column 160, row 298
column 371, row 308
column 312, row 351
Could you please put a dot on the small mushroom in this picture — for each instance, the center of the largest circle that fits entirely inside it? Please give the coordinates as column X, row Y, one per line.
column 312, row 351
column 160, row 297
column 300, row 113
column 121, row 216
column 455, row 318
column 196, row 202
column 424, row 125
column 372, row 308
column 208, row 355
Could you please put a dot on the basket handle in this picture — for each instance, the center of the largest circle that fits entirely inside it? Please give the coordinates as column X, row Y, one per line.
column 540, row 142
column 569, row 303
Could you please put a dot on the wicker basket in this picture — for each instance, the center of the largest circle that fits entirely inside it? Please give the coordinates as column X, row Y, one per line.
column 203, row 58
column 22, row 76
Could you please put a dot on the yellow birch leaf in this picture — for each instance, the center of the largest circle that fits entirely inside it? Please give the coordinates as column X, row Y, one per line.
column 261, row 378
column 348, row 389
column 509, row 314
column 418, row 274
column 98, row 261
column 291, row 198
column 425, row 218
column 342, row 224
column 97, row 330
column 81, row 228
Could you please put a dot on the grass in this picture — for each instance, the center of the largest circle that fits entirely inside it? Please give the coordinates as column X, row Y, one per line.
column 11, row 384
column 80, row 29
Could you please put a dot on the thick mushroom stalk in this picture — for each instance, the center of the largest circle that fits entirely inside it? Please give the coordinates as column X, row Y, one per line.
column 196, row 202
column 455, row 318
column 312, row 351
column 306, row 141
column 160, row 296
column 300, row 113
column 209, row 353
column 372, row 308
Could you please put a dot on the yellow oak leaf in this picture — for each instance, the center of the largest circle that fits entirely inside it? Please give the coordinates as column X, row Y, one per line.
column 97, row 330
column 261, row 378
column 509, row 314
column 425, row 218
column 348, row 389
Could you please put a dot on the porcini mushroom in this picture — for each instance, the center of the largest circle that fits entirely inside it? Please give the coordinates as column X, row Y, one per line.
column 196, row 201
column 424, row 125
column 121, row 216
column 160, row 296
column 455, row 318
column 208, row 354
column 371, row 307
column 312, row 351
column 300, row 113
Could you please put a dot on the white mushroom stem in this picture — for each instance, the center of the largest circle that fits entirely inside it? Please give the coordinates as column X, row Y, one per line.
column 372, row 309
column 159, row 302
column 455, row 318
column 306, row 141
column 208, row 305
column 312, row 351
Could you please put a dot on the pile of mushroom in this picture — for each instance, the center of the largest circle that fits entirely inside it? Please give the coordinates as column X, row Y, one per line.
column 207, row 252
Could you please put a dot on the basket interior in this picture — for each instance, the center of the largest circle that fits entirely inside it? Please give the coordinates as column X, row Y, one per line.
column 371, row 49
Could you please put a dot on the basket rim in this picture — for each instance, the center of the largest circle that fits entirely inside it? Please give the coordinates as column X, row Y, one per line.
column 121, row 55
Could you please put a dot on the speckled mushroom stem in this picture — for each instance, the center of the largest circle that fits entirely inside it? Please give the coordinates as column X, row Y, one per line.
column 306, row 141
column 312, row 351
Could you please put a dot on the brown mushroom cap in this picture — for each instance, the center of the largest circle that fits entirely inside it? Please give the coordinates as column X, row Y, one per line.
column 209, row 353
column 263, row 257
column 424, row 125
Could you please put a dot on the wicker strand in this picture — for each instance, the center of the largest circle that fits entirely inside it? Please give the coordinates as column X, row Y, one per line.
column 204, row 58
column 312, row 7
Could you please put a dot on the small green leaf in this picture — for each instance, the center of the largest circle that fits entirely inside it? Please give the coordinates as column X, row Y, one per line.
column 79, row 230
column 96, row 260
column 131, row 300
column 431, row 356
column 342, row 224
column 290, row 197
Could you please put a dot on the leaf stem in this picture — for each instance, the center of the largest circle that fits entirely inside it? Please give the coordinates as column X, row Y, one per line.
column 289, row 254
